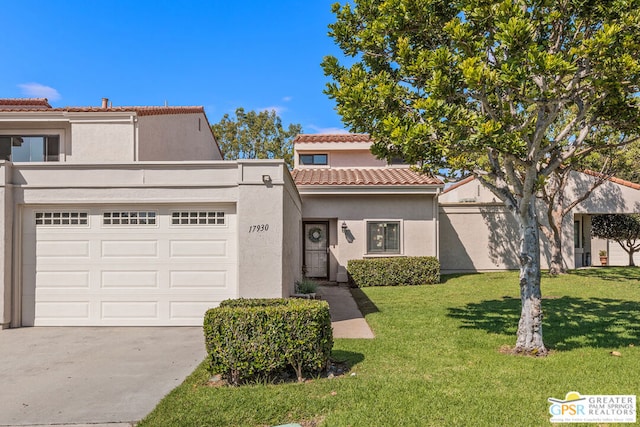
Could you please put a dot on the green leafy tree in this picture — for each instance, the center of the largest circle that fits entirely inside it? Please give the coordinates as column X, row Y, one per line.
column 624, row 229
column 484, row 87
column 255, row 135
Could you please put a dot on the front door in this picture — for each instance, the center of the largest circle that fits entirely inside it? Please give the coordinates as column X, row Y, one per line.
column 316, row 246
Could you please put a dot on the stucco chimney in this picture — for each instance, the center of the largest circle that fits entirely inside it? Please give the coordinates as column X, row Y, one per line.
column 105, row 102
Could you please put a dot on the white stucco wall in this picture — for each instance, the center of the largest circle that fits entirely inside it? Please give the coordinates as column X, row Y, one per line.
column 416, row 214
column 6, row 223
column 176, row 137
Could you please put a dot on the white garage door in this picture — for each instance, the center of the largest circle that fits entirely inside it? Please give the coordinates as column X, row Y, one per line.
column 127, row 265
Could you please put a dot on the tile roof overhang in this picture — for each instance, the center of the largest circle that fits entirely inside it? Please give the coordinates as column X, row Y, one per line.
column 372, row 180
column 331, row 137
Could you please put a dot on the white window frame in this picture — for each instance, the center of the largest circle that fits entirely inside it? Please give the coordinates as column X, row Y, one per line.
column 61, row 214
column 155, row 224
column 198, row 218
column 61, row 133
column 400, row 223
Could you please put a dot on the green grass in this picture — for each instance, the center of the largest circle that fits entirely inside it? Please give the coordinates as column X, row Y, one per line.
column 435, row 360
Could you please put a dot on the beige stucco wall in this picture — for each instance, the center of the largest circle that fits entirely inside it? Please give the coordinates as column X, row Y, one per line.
column 354, row 159
column 268, row 262
column 264, row 236
column 164, row 137
column 415, row 212
column 477, row 233
column 6, row 222
column 99, row 142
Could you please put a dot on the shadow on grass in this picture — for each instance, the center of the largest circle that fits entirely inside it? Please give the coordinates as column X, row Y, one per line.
column 365, row 305
column 349, row 358
column 618, row 274
column 569, row 322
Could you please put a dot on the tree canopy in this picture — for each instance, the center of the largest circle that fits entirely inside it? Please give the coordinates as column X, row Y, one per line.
column 509, row 90
column 624, row 229
column 255, row 135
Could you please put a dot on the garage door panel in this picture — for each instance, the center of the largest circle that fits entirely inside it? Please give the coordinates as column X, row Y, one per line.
column 129, row 249
column 62, row 249
column 198, row 249
column 62, row 279
column 95, row 274
column 123, row 279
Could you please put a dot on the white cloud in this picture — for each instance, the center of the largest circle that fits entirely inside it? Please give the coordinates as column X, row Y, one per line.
column 277, row 108
column 334, row 131
column 36, row 90
column 287, row 98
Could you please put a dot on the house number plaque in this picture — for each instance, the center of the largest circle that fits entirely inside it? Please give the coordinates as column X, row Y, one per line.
column 259, row 228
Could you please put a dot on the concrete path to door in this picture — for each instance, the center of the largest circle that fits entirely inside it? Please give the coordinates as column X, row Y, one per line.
column 92, row 376
column 346, row 319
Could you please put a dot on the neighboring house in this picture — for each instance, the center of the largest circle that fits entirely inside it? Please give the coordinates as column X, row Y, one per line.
column 356, row 206
column 127, row 216
column 478, row 234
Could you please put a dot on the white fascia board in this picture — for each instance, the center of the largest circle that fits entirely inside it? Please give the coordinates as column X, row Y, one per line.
column 101, row 117
column 359, row 190
column 31, row 116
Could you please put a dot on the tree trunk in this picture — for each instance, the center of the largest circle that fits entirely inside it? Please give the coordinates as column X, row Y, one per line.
column 556, row 263
column 631, row 262
column 529, row 338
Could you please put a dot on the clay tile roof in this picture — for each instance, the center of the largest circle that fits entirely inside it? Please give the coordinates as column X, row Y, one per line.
column 326, row 137
column 379, row 176
column 27, row 103
column 39, row 104
column 141, row 111
column 614, row 179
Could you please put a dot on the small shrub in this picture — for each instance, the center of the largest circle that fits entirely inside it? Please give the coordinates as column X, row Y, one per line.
column 394, row 271
column 252, row 339
column 306, row 286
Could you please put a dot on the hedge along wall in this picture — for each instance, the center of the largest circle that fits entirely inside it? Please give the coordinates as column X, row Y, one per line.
column 393, row 271
column 258, row 339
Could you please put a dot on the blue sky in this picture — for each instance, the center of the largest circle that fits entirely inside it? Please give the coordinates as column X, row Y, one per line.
column 218, row 54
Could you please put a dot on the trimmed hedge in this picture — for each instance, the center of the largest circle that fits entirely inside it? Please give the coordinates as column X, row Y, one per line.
column 258, row 339
column 393, row 271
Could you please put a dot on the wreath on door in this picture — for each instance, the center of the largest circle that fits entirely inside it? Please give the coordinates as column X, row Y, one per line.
column 315, row 234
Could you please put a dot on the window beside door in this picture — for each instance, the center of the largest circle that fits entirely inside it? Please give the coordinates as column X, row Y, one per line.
column 383, row 237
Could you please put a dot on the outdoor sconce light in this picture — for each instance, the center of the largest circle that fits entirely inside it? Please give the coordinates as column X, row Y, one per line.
column 266, row 179
column 344, row 226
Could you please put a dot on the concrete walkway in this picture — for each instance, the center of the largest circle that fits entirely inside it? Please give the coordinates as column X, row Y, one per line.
column 346, row 318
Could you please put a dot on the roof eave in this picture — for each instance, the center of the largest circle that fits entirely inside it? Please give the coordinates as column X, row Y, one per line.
column 369, row 189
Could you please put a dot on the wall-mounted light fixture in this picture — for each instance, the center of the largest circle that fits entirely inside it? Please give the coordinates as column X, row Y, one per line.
column 266, row 179
column 344, row 226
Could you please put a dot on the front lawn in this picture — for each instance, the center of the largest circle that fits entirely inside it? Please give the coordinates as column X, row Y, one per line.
column 437, row 361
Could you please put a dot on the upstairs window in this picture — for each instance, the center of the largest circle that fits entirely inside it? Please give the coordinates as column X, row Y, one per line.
column 313, row 159
column 383, row 237
column 36, row 148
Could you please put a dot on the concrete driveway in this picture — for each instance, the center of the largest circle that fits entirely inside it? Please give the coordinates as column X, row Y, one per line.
column 92, row 375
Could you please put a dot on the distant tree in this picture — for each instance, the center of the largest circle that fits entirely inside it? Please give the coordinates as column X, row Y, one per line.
column 624, row 229
column 255, row 135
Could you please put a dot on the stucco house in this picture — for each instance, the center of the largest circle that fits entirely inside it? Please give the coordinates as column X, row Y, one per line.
column 478, row 234
column 127, row 216
column 357, row 206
